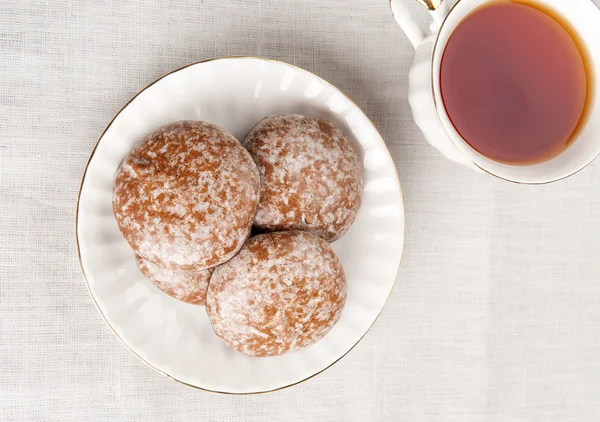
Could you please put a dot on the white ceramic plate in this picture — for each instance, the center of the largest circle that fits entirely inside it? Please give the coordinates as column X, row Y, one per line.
column 176, row 338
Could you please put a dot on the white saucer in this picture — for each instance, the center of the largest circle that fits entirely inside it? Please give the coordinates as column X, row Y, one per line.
column 175, row 338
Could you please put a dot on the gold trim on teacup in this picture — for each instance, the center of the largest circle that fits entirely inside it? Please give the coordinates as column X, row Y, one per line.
column 430, row 4
column 77, row 220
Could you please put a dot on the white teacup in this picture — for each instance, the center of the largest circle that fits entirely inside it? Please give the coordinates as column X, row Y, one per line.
column 431, row 117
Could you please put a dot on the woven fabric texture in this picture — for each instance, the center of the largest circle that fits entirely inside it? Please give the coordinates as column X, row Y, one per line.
column 496, row 312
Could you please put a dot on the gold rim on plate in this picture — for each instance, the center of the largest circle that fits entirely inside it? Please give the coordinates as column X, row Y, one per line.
column 77, row 225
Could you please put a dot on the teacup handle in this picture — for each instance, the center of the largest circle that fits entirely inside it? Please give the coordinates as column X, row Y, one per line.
column 437, row 8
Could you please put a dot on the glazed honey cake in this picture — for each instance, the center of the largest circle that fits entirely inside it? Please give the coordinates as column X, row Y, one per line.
column 311, row 177
column 186, row 195
column 283, row 291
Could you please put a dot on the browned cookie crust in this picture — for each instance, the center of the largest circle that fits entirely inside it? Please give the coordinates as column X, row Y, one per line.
column 282, row 292
column 186, row 286
column 186, row 195
column 311, row 178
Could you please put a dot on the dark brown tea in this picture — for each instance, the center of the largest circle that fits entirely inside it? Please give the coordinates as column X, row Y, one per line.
column 514, row 82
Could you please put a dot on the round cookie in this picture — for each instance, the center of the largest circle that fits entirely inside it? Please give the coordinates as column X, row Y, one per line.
column 186, row 195
column 186, row 286
column 282, row 292
column 311, row 177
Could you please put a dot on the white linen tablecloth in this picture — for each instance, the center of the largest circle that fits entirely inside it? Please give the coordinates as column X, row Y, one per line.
column 496, row 312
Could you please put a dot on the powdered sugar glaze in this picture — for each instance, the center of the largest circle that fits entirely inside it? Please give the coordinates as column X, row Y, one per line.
column 282, row 292
column 187, row 286
column 311, row 177
column 186, row 195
